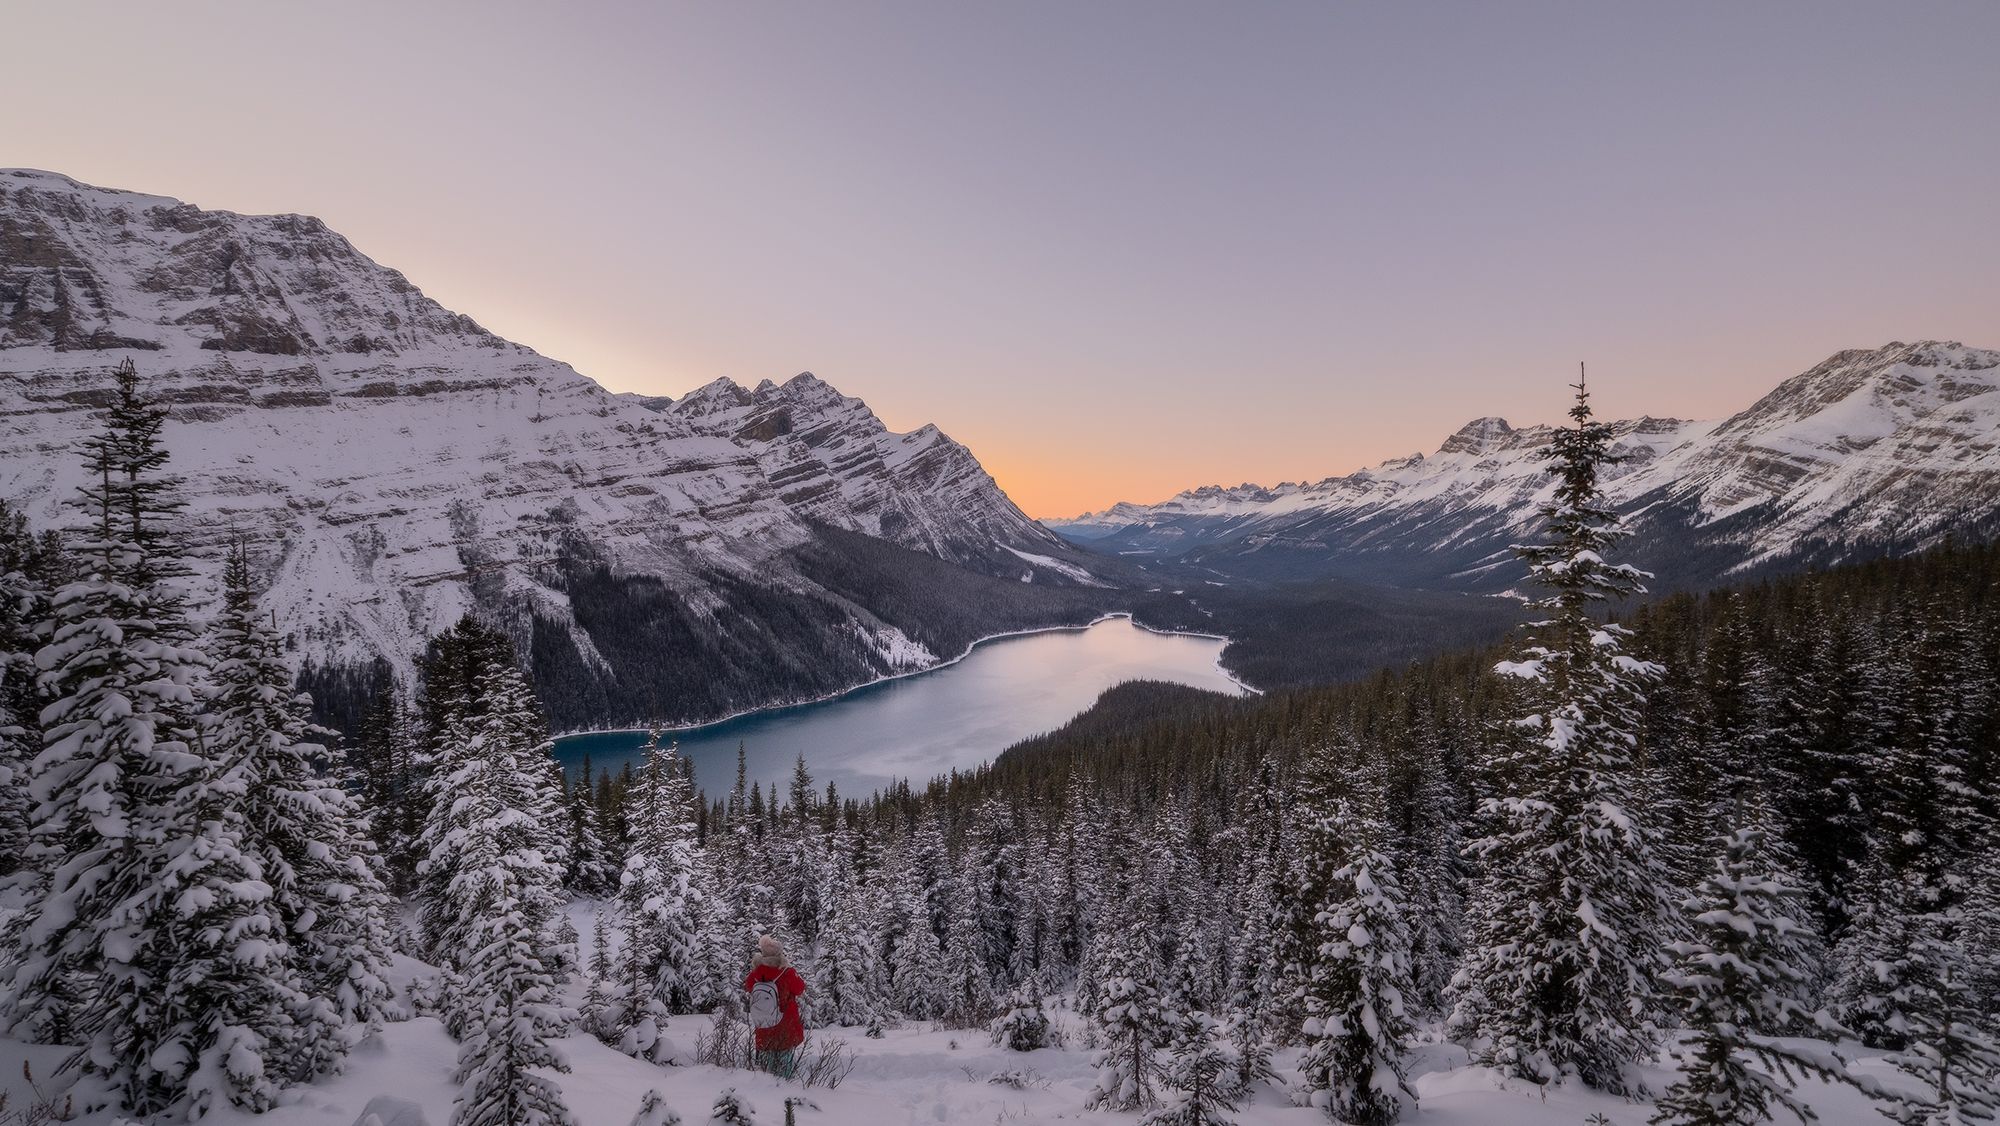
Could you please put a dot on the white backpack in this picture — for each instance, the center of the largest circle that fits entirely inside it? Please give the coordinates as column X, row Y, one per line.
column 765, row 1011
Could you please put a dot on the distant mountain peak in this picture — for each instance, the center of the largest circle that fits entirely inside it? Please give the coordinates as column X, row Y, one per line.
column 1478, row 436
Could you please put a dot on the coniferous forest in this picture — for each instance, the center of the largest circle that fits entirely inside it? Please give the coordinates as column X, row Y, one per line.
column 1754, row 828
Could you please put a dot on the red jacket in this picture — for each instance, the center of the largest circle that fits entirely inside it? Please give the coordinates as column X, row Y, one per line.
column 791, row 1031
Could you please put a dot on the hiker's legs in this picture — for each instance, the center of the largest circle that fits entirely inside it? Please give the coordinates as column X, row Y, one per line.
column 781, row 1062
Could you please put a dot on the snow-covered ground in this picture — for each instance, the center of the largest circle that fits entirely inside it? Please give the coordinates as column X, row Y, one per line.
column 918, row 1074
column 915, row 1075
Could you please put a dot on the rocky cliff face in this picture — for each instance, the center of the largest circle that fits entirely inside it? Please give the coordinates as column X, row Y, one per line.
column 1872, row 451
column 394, row 465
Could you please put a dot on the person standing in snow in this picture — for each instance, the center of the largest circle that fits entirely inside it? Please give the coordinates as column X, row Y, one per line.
column 774, row 988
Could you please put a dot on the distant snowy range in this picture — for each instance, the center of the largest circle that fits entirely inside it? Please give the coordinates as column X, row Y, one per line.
column 392, row 465
column 1875, row 451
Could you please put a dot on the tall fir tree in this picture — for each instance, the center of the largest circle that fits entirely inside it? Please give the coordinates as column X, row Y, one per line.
column 1572, row 907
column 513, row 1012
column 488, row 827
column 114, row 787
column 660, row 898
column 303, row 829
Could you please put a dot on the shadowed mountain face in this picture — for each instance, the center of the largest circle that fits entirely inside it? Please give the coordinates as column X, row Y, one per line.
column 1871, row 452
column 393, row 465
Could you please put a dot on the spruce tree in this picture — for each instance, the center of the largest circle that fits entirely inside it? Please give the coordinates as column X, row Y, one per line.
column 1950, row 1042
column 848, row 975
column 1129, row 1020
column 512, row 1012
column 1199, row 1077
column 1023, row 1025
column 916, row 963
column 660, row 894
column 1357, row 1020
column 1739, row 979
column 114, row 787
column 1572, row 906
column 486, row 829
column 590, row 869
column 31, row 567
column 303, row 830
column 968, row 978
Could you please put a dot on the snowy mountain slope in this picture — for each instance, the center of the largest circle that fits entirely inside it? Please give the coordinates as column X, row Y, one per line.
column 393, row 464
column 1870, row 451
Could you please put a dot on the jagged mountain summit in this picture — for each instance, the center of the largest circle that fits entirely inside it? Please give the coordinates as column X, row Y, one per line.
column 394, row 465
column 1872, row 451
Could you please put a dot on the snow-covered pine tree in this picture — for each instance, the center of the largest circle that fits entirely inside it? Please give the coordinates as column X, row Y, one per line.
column 1951, row 1045
column 30, row 568
column 1200, row 1081
column 1260, row 982
column 848, row 976
column 1738, row 979
column 1129, row 1020
column 301, row 828
column 1982, row 929
column 661, row 891
column 111, row 829
column 590, row 869
column 654, row 1111
column 510, row 996
column 1188, row 996
column 732, row 1109
column 1932, row 807
column 968, row 978
column 1427, row 857
column 227, row 1009
column 1250, row 1054
column 488, row 794
column 721, row 938
column 1572, row 907
column 1023, row 1024
column 916, row 962
column 992, row 876
column 1357, row 1019
column 567, row 951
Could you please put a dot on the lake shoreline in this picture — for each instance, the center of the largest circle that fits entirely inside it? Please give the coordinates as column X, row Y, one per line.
column 770, row 709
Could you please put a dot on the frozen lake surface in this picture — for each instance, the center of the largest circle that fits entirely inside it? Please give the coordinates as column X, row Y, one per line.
column 916, row 727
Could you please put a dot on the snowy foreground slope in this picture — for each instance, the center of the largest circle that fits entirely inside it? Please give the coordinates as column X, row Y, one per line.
column 1885, row 449
column 392, row 464
column 917, row 1074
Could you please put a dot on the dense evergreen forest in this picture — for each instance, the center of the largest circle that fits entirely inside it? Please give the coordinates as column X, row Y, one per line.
column 1752, row 823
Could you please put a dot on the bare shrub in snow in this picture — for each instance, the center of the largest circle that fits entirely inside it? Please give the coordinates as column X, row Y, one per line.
column 824, row 1062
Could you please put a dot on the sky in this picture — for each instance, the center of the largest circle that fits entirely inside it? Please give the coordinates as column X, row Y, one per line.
column 1117, row 248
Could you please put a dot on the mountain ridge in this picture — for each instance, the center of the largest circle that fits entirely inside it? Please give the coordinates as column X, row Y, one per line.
column 395, row 465
column 1872, row 449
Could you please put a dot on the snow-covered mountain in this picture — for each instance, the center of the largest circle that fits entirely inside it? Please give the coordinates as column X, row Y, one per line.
column 1873, row 450
column 394, row 465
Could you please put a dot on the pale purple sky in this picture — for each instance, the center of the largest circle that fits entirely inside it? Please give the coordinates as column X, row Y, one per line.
column 1118, row 248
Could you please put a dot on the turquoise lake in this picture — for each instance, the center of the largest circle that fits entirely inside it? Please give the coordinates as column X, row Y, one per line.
column 916, row 727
